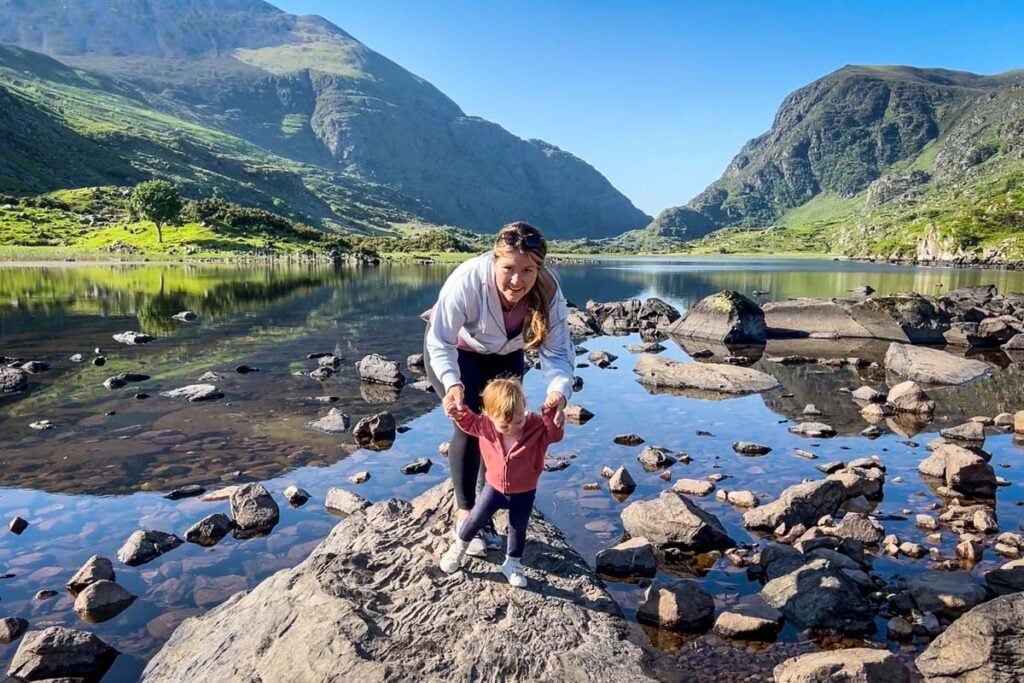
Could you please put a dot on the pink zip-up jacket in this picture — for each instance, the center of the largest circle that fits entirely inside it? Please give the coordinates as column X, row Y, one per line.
column 517, row 470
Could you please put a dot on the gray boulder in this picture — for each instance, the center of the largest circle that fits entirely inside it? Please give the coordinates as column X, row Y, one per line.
column 908, row 397
column 631, row 558
column 210, row 530
column 727, row 316
column 368, row 580
column 859, row 527
column 931, row 366
column 101, row 601
column 601, row 359
column 11, row 629
column 582, row 324
column 945, row 594
column 59, row 652
column 12, row 380
column 662, row 373
column 677, row 605
column 653, row 458
column 916, row 316
column 849, row 665
column 751, row 619
column 621, row 482
column 984, row 645
column 145, row 545
column 964, row 471
column 821, row 597
column 345, row 502
column 671, row 520
column 254, row 510
column 803, row 503
column 95, row 569
column 379, row 370
column 815, row 317
column 1005, row 580
column 377, row 427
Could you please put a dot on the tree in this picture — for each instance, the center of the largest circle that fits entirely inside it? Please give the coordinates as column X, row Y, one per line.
column 157, row 201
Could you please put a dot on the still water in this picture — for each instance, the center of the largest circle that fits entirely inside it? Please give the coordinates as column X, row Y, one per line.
column 85, row 485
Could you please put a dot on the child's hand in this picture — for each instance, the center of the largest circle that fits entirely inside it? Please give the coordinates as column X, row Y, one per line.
column 559, row 418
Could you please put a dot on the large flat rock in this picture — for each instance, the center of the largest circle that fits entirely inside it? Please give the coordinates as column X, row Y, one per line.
column 931, row 366
column 370, row 604
column 661, row 373
column 804, row 317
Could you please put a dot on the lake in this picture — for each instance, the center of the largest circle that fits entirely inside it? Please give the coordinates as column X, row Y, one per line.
column 101, row 472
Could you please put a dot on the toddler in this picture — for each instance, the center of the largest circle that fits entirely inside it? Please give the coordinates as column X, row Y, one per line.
column 513, row 443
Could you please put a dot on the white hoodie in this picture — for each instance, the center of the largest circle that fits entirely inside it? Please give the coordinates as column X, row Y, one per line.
column 469, row 308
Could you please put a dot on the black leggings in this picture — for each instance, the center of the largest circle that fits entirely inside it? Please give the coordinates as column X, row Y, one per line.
column 475, row 370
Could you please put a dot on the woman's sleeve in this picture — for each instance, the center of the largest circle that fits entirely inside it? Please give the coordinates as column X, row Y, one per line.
column 454, row 305
column 558, row 352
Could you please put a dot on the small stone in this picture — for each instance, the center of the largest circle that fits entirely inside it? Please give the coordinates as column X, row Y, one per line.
column 811, row 409
column 186, row 492
column 621, row 482
column 743, row 499
column 628, row 440
column 345, row 502
column 95, row 569
column 101, row 601
column 607, row 472
column 750, row 448
column 814, row 430
column 296, row 496
column 11, row 629
column 17, row 525
column 417, row 466
column 359, row 477
column 210, row 530
column 804, row 454
column 693, row 487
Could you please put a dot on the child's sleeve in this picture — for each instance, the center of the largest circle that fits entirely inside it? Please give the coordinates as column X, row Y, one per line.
column 471, row 423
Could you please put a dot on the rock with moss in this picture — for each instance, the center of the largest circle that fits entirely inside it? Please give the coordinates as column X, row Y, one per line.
column 727, row 316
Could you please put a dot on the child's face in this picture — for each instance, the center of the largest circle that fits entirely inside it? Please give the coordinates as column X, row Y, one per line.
column 515, row 425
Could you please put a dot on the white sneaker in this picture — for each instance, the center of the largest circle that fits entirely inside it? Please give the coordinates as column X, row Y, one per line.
column 513, row 571
column 452, row 558
column 477, row 547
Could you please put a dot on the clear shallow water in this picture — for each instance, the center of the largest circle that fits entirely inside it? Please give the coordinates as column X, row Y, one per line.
column 87, row 484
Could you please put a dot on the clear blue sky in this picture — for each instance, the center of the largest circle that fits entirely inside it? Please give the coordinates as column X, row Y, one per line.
column 659, row 96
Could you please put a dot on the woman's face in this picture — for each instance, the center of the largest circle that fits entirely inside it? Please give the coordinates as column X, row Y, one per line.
column 515, row 273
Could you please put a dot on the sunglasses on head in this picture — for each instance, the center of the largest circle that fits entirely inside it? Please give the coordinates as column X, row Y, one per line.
column 515, row 239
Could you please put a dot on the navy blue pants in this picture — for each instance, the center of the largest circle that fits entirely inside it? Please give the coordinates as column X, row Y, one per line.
column 490, row 501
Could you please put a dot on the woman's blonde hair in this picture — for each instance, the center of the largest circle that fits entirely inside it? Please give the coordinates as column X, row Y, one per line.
column 523, row 238
column 502, row 398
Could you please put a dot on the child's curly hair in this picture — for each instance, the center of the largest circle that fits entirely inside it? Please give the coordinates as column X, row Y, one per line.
column 502, row 398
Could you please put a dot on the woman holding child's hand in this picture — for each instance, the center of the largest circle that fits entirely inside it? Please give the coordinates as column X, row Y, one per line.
column 490, row 309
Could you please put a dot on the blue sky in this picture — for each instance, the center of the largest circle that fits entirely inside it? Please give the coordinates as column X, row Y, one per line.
column 659, row 96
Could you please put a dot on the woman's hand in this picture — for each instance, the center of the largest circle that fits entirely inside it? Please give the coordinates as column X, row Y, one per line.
column 553, row 406
column 454, row 402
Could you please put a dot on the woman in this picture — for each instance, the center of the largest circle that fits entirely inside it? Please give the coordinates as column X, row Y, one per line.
column 490, row 309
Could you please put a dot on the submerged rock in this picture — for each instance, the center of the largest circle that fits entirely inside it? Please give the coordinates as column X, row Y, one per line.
column 194, row 392
column 932, row 366
column 123, row 380
column 210, row 530
column 395, row 615
column 705, row 378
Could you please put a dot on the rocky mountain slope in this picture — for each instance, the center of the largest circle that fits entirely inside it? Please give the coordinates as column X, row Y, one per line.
column 302, row 89
column 881, row 161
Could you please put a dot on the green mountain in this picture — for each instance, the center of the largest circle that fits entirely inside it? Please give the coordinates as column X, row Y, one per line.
column 895, row 162
column 288, row 112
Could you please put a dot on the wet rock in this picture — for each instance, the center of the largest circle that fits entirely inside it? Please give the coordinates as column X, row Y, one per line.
column 646, row 347
column 1003, row 420
column 621, row 481
column 334, row 422
column 932, row 366
column 11, row 629
column 926, row 522
column 628, row 440
column 186, row 492
column 209, row 377
column 145, row 545
column 863, row 665
column 860, row 482
column 680, row 605
column 95, row 569
column 194, row 393
column 1005, row 580
column 45, row 594
column 296, row 496
column 101, row 601
column 814, row 430
column 359, row 477
column 970, row 550
column 577, row 414
column 803, row 503
column 804, row 454
column 123, row 380
column 693, row 487
column 383, row 559
column 601, row 359
column 671, row 520
column 322, row 373
column 859, row 527
column 727, row 316
column 345, row 502
column 210, row 530
column 132, row 338
column 984, row 644
column 945, row 594
column 752, row 619
column 653, row 458
column 254, row 510
column 378, row 427
column 750, row 448
column 582, row 324
column 866, row 393
column 964, row 471
column 34, row 367
column 820, row 597
column 12, row 380
column 970, row 432
column 875, row 412
column 17, row 525
column 830, row 466
column 415, row 362
column 59, row 652
column 329, row 361
column 712, row 378
column 742, row 499
column 632, row 558
column 422, row 385
column 417, row 466
column 378, row 369
column 219, row 494
column 185, row 316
